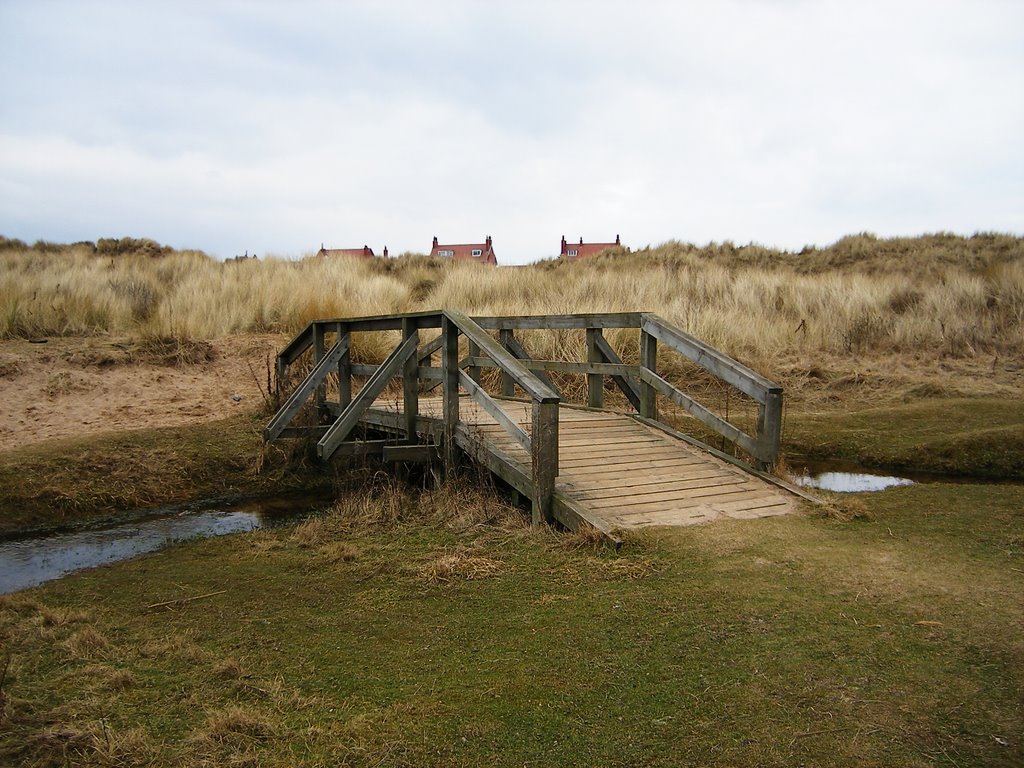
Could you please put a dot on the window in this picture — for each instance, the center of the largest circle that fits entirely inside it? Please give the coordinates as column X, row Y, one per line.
column 477, row 252
column 446, row 253
column 573, row 252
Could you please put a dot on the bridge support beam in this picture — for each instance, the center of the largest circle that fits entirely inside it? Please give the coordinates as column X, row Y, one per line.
column 544, row 444
column 450, row 390
column 648, row 360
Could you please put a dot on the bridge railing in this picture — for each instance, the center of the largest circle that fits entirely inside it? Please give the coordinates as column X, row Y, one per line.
column 640, row 383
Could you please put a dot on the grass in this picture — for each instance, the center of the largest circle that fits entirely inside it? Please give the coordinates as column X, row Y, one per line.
column 980, row 437
column 930, row 299
column 451, row 634
column 65, row 482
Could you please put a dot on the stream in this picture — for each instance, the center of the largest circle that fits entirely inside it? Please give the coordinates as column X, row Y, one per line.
column 30, row 561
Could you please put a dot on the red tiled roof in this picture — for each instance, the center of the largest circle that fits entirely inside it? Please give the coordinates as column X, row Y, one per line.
column 581, row 250
column 464, row 251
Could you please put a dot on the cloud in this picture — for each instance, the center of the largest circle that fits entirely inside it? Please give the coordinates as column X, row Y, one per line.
column 244, row 126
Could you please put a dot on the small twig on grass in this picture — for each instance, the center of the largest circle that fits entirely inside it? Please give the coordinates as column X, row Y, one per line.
column 183, row 600
column 255, row 378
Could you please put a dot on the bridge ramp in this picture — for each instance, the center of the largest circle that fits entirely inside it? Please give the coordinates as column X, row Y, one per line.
column 623, row 471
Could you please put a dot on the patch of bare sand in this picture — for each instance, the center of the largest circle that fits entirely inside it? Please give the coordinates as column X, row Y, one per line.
column 80, row 386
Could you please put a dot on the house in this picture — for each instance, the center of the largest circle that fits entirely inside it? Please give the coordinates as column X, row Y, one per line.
column 365, row 252
column 481, row 253
column 581, row 250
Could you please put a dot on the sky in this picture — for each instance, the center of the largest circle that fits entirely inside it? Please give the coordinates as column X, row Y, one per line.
column 273, row 127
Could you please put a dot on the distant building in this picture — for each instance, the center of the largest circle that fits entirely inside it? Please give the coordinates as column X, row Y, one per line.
column 482, row 253
column 364, row 252
column 581, row 250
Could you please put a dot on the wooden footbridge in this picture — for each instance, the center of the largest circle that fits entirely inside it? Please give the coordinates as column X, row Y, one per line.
column 577, row 464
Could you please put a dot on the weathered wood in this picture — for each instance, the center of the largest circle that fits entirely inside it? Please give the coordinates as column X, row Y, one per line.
column 428, row 349
column 293, row 349
column 345, row 367
column 419, row 454
column 545, row 459
column 523, row 377
column 713, row 421
column 561, row 366
column 648, row 361
column 595, row 382
column 450, row 383
column 303, row 432
column 493, row 410
column 294, row 403
column 318, row 354
column 472, row 370
column 626, row 383
column 506, row 337
column 575, row 516
column 350, row 416
column 770, row 430
column 410, row 386
column 562, row 322
column 724, row 367
column 519, row 352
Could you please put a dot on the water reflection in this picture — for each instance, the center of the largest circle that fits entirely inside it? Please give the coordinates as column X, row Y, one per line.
column 28, row 562
column 851, row 482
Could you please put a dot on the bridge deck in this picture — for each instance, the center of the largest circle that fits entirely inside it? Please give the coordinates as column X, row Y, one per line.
column 620, row 470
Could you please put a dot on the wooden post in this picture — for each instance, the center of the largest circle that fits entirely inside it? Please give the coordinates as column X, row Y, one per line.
column 344, row 368
column 544, row 443
column 769, row 428
column 319, row 349
column 649, row 360
column 410, row 383
column 595, row 381
column 474, row 370
column 450, row 389
column 506, row 337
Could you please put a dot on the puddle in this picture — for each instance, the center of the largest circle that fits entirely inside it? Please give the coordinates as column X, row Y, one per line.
column 850, row 482
column 31, row 561
column 847, row 477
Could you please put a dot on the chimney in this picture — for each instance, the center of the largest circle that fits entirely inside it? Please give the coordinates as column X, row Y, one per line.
column 385, row 251
column 435, row 241
column 581, row 241
column 563, row 244
column 488, row 242
column 617, row 240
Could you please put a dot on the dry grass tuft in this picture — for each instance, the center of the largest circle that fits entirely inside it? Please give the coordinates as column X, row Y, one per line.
column 340, row 552
column 586, row 537
column 234, row 727
column 94, row 743
column 844, row 508
column 173, row 351
column 86, row 643
column 460, row 566
column 229, row 669
column 310, row 533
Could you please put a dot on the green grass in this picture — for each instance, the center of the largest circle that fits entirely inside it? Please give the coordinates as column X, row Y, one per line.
column 435, row 630
column 980, row 437
column 68, row 482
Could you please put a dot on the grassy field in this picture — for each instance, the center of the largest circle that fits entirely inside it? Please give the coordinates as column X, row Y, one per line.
column 415, row 628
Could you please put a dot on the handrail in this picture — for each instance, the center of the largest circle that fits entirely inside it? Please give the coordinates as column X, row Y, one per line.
column 639, row 382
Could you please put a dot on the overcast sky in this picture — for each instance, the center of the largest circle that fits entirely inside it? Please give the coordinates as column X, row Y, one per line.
column 273, row 127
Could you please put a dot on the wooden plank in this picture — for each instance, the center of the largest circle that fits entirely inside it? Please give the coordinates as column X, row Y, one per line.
column 295, row 402
column 595, row 382
column 410, row 385
column 627, row 384
column 649, row 364
column 350, row 417
column 562, row 322
column 530, row 384
column 629, row 483
column 667, row 458
column 420, row 454
column 626, row 499
column 561, row 366
column 544, row 443
column 293, row 350
column 485, row 401
column 519, row 352
column 702, row 414
column 682, row 502
column 450, row 397
column 724, row 367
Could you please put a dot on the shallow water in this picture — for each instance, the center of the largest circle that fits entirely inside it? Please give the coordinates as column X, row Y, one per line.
column 32, row 561
column 851, row 482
